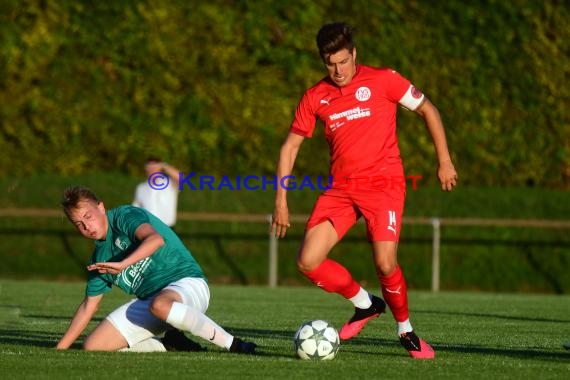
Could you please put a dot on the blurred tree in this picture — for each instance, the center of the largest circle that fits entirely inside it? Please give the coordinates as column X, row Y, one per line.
column 92, row 86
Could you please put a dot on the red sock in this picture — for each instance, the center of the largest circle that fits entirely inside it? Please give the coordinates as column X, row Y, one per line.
column 334, row 278
column 395, row 294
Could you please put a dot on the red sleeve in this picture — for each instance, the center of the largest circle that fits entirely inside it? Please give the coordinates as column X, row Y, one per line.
column 305, row 118
column 397, row 85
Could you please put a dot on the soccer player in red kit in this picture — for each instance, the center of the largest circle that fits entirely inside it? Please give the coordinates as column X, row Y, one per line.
column 358, row 106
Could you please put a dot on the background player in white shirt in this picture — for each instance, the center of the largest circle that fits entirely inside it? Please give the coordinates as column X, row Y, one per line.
column 162, row 203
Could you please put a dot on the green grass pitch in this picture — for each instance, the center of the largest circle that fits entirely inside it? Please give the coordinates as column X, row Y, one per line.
column 476, row 336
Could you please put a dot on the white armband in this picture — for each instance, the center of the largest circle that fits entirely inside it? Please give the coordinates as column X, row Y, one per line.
column 412, row 98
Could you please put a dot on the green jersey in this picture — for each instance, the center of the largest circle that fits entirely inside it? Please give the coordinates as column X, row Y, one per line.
column 169, row 263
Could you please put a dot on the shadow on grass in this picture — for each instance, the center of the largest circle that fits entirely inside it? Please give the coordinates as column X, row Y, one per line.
column 358, row 346
column 45, row 339
column 29, row 338
column 12, row 334
column 57, row 317
column 497, row 316
column 514, row 353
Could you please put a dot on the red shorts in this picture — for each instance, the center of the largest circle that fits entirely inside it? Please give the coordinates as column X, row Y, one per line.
column 382, row 211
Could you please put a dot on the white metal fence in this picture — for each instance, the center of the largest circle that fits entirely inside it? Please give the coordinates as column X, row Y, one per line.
column 273, row 245
column 436, row 224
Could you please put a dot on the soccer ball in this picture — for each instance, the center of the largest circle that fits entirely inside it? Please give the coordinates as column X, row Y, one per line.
column 316, row 340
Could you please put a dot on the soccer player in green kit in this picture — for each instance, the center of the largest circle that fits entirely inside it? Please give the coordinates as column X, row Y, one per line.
column 137, row 252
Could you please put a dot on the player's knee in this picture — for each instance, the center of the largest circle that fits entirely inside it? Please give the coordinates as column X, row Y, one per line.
column 386, row 268
column 306, row 266
column 160, row 307
column 307, row 261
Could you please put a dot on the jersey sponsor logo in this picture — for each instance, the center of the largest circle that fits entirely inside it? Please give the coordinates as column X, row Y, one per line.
column 325, row 101
column 352, row 114
column 132, row 275
column 416, row 93
column 363, row 94
column 333, row 127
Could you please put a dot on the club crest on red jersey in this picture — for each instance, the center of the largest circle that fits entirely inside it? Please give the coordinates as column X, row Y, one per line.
column 363, row 94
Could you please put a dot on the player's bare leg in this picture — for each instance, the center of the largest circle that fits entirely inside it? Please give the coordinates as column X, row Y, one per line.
column 329, row 275
column 105, row 337
column 316, row 246
column 395, row 293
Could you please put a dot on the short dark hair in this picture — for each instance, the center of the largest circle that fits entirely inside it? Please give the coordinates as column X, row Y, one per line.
column 334, row 37
column 75, row 194
column 153, row 159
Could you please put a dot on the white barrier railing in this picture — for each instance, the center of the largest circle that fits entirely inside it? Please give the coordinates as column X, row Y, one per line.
column 273, row 252
column 436, row 224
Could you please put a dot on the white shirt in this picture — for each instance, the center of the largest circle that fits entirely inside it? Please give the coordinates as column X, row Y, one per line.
column 162, row 203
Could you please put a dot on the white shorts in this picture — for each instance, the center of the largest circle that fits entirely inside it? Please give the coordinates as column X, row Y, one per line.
column 136, row 323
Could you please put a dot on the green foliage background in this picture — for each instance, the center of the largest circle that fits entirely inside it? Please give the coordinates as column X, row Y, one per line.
column 98, row 85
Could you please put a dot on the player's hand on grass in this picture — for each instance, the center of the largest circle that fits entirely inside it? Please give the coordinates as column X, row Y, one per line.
column 447, row 175
column 110, row 267
column 280, row 221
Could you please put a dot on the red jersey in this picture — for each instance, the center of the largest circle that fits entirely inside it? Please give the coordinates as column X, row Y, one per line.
column 359, row 120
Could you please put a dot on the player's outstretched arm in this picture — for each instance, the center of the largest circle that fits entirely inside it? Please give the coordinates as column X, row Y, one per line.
column 79, row 322
column 287, row 156
column 150, row 240
column 446, row 171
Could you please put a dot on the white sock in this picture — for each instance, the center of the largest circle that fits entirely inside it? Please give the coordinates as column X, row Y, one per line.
column 188, row 318
column 361, row 300
column 147, row 345
column 404, row 327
